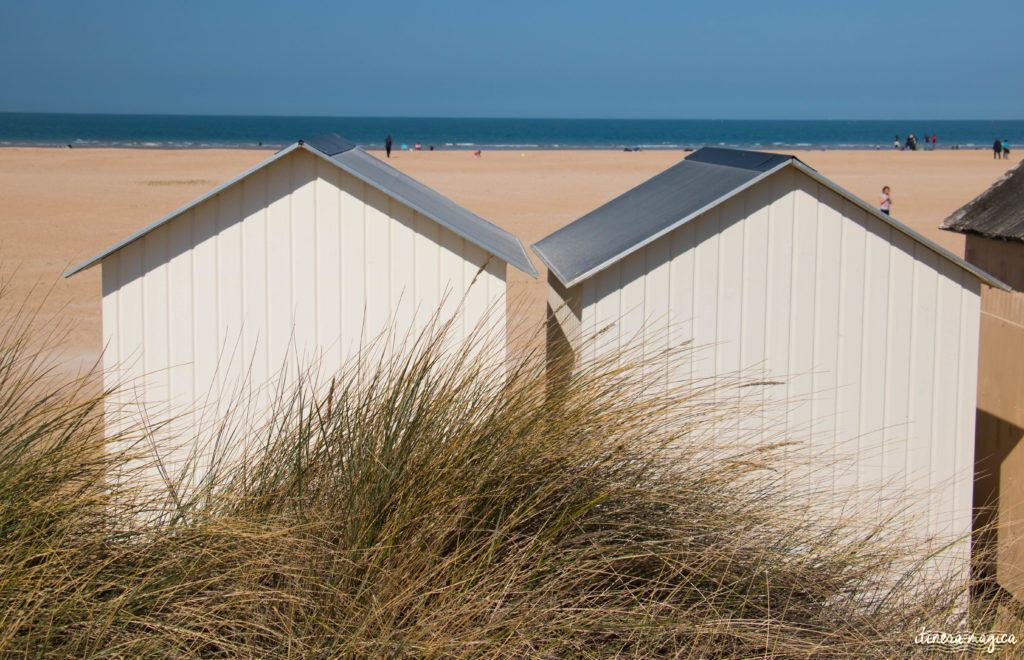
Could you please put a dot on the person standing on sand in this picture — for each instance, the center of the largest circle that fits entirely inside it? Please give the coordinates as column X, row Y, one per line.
column 886, row 201
column 1006, row 148
column 387, row 146
column 997, row 148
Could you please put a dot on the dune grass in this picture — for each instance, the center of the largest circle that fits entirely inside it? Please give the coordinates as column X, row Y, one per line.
column 437, row 504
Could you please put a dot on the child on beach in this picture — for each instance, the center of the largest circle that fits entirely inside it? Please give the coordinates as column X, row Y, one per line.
column 886, row 201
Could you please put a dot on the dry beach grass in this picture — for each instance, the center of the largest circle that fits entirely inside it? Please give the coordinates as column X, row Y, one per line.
column 426, row 506
column 437, row 505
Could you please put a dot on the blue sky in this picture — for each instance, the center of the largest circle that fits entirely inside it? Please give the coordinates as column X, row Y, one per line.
column 643, row 59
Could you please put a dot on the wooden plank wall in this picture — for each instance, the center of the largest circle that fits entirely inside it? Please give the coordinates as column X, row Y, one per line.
column 873, row 336
column 298, row 264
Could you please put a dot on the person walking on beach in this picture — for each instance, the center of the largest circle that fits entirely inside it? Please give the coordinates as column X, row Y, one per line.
column 886, row 201
column 896, row 142
column 997, row 148
column 387, row 146
column 1006, row 148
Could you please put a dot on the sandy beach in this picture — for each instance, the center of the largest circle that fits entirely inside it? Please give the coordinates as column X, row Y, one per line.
column 60, row 206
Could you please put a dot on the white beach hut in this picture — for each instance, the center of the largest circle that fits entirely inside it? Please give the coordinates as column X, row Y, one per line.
column 863, row 333
column 301, row 260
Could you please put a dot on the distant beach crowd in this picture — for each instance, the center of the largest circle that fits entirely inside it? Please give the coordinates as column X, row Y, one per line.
column 1000, row 148
column 911, row 142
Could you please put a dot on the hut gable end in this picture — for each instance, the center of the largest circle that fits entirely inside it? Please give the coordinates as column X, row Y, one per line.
column 859, row 338
column 706, row 179
column 302, row 265
column 395, row 185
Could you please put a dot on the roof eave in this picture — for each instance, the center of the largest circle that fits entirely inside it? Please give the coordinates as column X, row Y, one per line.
column 167, row 218
column 521, row 261
column 809, row 171
column 899, row 226
column 965, row 231
column 670, row 228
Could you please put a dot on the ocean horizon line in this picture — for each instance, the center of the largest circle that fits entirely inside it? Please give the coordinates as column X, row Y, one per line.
column 181, row 131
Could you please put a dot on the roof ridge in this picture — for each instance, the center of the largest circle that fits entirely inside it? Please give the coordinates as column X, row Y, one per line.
column 666, row 201
column 350, row 158
column 329, row 144
column 746, row 159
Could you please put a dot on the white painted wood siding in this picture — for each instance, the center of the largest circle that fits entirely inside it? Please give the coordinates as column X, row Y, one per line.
column 873, row 335
column 297, row 264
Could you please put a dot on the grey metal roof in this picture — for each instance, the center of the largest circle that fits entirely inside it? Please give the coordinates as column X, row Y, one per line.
column 996, row 213
column 704, row 179
column 352, row 159
column 432, row 204
column 759, row 161
column 329, row 144
column 639, row 216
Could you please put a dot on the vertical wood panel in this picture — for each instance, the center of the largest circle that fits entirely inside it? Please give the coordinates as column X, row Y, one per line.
column 779, row 289
column 753, row 330
column 378, row 277
column 705, row 291
column 156, row 322
column 947, row 380
column 826, row 328
column 182, row 393
column 850, row 358
column 657, row 304
column 280, row 305
column 403, row 269
column 729, row 331
column 730, row 286
column 897, row 363
column 922, row 369
column 681, row 298
column 451, row 280
column 631, row 301
column 428, row 267
column 588, row 318
column 476, row 302
column 873, row 369
column 132, row 314
column 755, row 278
column 111, row 342
column 328, row 266
column 255, row 355
column 607, row 293
column 304, row 259
column 230, row 288
column 497, row 305
column 206, row 320
column 353, row 264
column 963, row 468
column 801, row 311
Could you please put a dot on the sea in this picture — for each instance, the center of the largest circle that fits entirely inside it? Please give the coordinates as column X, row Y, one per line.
column 251, row 132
